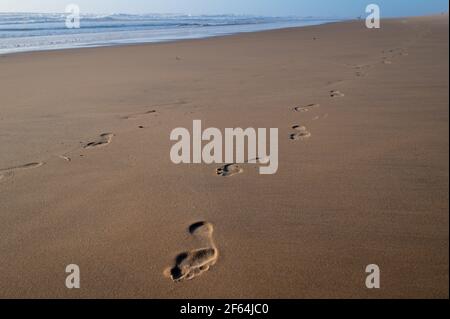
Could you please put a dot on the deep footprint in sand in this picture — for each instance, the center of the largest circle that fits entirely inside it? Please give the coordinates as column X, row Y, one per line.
column 104, row 139
column 189, row 265
column 306, row 108
column 229, row 170
column 301, row 134
column 336, row 93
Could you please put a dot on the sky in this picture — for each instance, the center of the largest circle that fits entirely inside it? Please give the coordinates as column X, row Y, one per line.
column 323, row 8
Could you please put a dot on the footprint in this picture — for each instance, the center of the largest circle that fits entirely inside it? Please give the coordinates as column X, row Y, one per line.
column 189, row 265
column 8, row 172
column 233, row 169
column 398, row 51
column 318, row 117
column 360, row 70
column 103, row 140
column 300, row 136
column 305, row 108
column 136, row 115
column 229, row 170
column 66, row 158
column 335, row 93
column 299, row 128
column 21, row 167
column 362, row 66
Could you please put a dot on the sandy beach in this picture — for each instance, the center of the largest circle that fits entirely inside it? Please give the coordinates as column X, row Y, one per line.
column 363, row 118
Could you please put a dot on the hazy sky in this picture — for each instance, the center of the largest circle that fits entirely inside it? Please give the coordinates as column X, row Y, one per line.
column 341, row 8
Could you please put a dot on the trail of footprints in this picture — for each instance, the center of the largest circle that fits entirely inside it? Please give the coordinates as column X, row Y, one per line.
column 191, row 264
column 302, row 132
column 387, row 58
column 361, row 70
column 102, row 140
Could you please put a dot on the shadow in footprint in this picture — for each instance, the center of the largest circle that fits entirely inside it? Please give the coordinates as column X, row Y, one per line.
column 300, row 136
column 302, row 133
column 229, row 170
column 199, row 225
column 335, row 93
column 305, row 108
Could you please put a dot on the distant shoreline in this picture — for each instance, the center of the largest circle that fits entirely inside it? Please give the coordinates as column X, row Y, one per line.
column 131, row 42
column 27, row 33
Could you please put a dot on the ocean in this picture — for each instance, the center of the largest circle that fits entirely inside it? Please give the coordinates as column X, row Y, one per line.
column 20, row 32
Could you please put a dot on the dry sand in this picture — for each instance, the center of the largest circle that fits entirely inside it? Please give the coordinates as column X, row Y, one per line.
column 86, row 177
